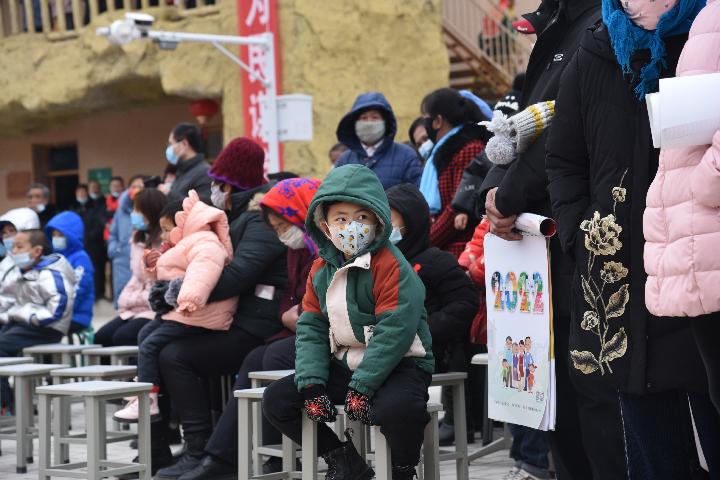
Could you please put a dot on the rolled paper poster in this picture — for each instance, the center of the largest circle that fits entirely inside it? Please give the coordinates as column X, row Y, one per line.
column 536, row 224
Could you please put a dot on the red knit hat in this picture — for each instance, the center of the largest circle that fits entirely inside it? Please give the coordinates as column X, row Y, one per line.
column 240, row 164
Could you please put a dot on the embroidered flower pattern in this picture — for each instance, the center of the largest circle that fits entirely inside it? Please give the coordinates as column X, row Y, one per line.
column 602, row 238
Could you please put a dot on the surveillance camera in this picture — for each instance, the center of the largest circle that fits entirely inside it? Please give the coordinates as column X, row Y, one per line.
column 141, row 19
column 135, row 25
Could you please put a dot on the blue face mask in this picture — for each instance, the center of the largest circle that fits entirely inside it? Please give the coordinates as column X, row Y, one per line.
column 9, row 243
column 170, row 155
column 138, row 221
column 3, row 251
column 22, row 260
column 395, row 236
column 59, row 243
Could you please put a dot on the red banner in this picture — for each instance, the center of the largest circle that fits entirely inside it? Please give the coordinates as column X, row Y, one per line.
column 255, row 17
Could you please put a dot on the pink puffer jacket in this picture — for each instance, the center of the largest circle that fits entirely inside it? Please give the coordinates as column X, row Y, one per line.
column 682, row 218
column 202, row 249
column 133, row 300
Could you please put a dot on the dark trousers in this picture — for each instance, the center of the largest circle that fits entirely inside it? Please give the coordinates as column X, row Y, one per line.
column 13, row 338
column 588, row 440
column 399, row 407
column 706, row 330
column 184, row 363
column 223, row 443
column 659, row 441
column 118, row 332
column 530, row 450
column 152, row 338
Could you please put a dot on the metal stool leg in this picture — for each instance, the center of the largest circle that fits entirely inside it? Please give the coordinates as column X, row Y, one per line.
column 461, row 464
column 383, row 456
column 144, row 436
column 431, row 450
column 245, row 439
column 309, row 449
column 44, row 433
column 92, row 419
column 22, row 404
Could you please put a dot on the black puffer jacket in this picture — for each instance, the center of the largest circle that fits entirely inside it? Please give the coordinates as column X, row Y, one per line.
column 260, row 259
column 600, row 165
column 451, row 299
column 472, row 179
column 522, row 185
column 192, row 174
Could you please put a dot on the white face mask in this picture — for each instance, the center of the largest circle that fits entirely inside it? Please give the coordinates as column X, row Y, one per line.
column 370, row 131
column 40, row 207
column 426, row 149
column 351, row 238
column 395, row 236
column 293, row 238
column 217, row 197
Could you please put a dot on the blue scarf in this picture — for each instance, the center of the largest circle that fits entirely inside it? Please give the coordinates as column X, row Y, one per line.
column 627, row 38
column 429, row 186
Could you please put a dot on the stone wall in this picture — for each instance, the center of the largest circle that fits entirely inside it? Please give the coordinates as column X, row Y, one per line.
column 331, row 50
column 336, row 50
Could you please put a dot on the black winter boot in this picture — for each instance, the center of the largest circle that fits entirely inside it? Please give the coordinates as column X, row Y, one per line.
column 345, row 463
column 403, row 473
column 190, row 459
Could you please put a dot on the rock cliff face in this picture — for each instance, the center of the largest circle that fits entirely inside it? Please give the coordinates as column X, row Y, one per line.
column 330, row 50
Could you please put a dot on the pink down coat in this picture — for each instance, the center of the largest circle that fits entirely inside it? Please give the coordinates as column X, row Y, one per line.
column 682, row 218
column 202, row 249
column 133, row 300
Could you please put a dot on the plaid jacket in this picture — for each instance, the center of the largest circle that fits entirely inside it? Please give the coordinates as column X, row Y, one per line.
column 442, row 233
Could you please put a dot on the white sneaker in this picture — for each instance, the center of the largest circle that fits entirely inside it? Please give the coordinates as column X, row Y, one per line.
column 523, row 475
column 130, row 413
column 512, row 474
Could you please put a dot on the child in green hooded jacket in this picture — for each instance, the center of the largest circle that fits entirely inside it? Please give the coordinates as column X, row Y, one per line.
column 363, row 338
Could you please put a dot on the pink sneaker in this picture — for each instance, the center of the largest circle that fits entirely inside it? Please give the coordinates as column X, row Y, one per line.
column 130, row 413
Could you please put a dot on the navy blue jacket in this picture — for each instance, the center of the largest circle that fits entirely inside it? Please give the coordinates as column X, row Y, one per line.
column 71, row 226
column 393, row 163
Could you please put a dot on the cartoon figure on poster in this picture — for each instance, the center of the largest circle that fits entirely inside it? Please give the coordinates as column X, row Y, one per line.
column 519, row 335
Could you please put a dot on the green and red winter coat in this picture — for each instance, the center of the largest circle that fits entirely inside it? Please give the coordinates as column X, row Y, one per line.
column 367, row 311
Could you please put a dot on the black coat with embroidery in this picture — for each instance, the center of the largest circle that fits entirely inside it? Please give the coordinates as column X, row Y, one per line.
column 600, row 164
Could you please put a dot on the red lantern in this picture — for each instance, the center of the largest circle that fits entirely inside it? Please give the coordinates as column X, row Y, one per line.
column 203, row 110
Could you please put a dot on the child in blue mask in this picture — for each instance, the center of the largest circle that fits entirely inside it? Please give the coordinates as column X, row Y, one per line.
column 66, row 232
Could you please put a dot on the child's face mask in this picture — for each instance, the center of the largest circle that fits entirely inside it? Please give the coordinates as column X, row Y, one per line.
column 351, row 238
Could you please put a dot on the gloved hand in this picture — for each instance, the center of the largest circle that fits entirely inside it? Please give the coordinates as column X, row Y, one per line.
column 157, row 297
column 318, row 406
column 357, row 407
column 173, row 292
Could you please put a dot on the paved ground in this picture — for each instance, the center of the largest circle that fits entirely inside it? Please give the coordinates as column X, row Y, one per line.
column 491, row 467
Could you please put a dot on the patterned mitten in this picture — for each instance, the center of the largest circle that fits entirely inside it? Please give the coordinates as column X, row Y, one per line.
column 357, row 406
column 318, row 406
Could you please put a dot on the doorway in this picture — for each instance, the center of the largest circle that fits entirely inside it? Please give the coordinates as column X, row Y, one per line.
column 57, row 167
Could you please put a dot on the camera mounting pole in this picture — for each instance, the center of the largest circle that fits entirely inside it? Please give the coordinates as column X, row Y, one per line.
column 136, row 26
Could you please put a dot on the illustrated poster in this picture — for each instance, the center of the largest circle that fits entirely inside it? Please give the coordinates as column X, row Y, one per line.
column 521, row 372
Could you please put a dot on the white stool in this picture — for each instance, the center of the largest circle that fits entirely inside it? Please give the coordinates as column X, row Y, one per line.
column 25, row 376
column 61, row 424
column 489, row 445
column 6, row 422
column 58, row 352
column 456, row 381
column 118, row 355
column 95, row 394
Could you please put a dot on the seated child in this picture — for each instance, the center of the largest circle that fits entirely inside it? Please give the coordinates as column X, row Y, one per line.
column 200, row 249
column 362, row 339
column 36, row 298
column 67, row 232
column 12, row 222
